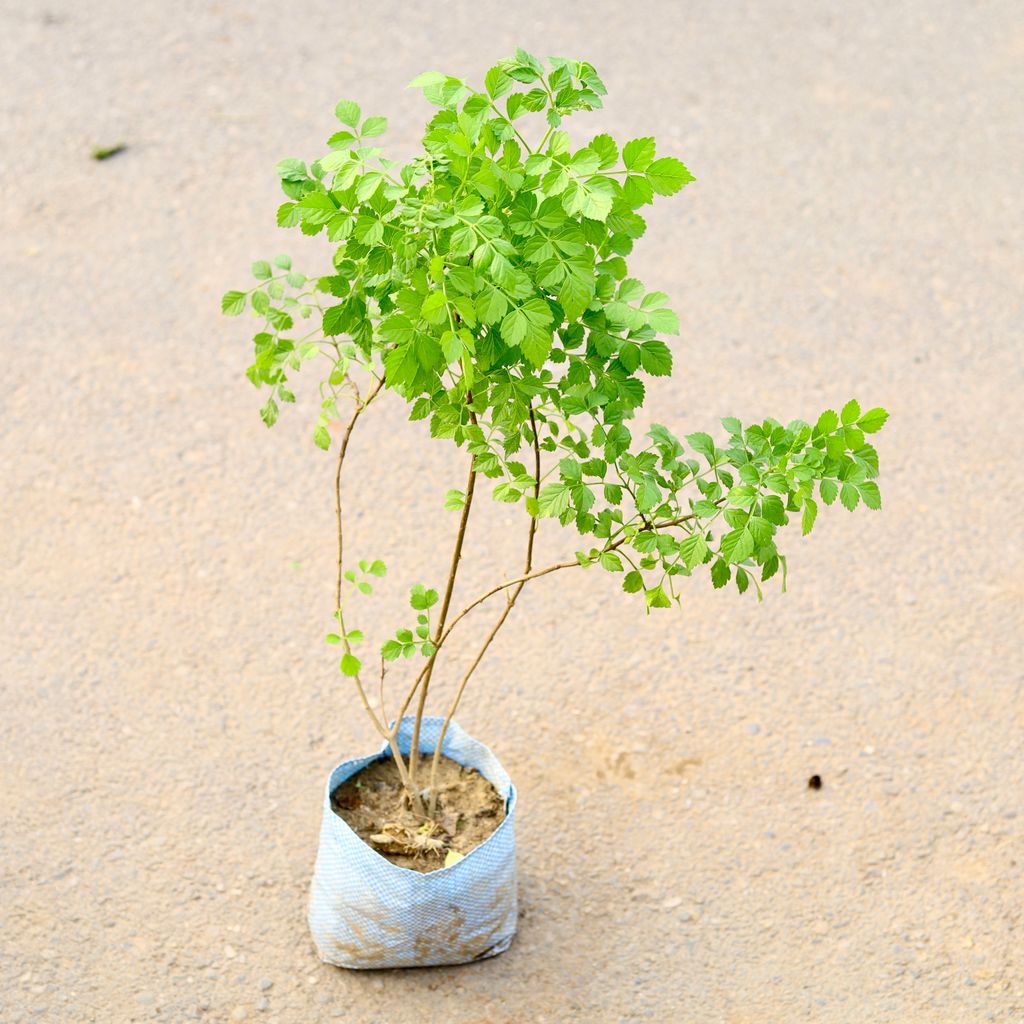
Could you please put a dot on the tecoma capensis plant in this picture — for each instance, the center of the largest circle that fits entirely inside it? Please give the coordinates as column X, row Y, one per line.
column 484, row 282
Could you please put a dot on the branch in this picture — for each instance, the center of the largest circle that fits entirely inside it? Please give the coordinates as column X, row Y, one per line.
column 361, row 404
column 526, row 577
column 453, row 707
column 423, row 681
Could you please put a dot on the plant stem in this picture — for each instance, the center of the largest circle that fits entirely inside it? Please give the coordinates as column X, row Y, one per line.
column 526, row 577
column 442, row 616
column 361, row 404
column 453, row 707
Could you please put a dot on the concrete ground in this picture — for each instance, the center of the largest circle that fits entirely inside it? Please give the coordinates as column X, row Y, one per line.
column 169, row 711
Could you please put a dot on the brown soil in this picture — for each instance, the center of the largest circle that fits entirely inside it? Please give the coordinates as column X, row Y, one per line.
column 372, row 803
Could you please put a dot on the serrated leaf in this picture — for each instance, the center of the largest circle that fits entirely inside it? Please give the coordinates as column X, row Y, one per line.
column 737, row 545
column 638, row 154
column 720, row 574
column 454, row 500
column 606, row 149
column 870, row 493
column 233, row 303
column 553, row 499
column 348, row 112
column 632, row 582
column 849, row 496
column 850, row 412
column 703, row 444
column 693, row 549
column 668, row 175
column 827, row 422
column 373, row 126
column 808, row 515
column 656, row 358
column 350, row 664
column 873, row 420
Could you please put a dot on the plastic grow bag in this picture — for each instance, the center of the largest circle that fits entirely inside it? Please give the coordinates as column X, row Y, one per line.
column 365, row 912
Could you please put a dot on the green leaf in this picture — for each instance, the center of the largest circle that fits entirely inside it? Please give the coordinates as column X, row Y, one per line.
column 633, row 582
column 554, row 499
column 850, row 412
column 638, row 154
column 648, row 496
column 497, row 83
column 827, row 422
column 350, row 665
column 506, row 492
column 368, row 185
column 390, row 650
column 434, row 309
column 427, row 79
column 668, row 175
column 528, row 327
column 870, row 493
column 873, row 420
column 829, row 490
column 849, row 496
column 703, row 444
column 693, row 549
column 809, row 514
column 421, row 598
column 348, row 112
column 454, row 500
column 657, row 598
column 737, row 545
column 606, row 150
column 269, row 412
column 611, row 562
column 333, row 638
column 575, row 295
column 664, row 321
column 656, row 358
column 233, row 303
column 322, row 437
column 291, row 170
column 720, row 574
column 373, row 126
column 262, row 269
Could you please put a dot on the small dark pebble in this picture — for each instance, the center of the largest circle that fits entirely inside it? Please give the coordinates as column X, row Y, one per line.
column 814, row 782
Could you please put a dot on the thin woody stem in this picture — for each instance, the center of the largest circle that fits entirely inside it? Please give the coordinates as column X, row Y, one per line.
column 544, row 572
column 453, row 707
column 361, row 404
column 446, row 601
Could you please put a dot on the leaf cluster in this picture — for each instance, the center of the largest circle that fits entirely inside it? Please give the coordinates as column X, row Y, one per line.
column 486, row 281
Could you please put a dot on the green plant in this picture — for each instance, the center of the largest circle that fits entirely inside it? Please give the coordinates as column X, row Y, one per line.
column 485, row 282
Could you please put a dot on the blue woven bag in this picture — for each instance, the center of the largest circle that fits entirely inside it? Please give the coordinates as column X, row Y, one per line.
column 365, row 912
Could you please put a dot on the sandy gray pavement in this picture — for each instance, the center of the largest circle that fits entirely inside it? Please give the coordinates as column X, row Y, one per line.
column 167, row 708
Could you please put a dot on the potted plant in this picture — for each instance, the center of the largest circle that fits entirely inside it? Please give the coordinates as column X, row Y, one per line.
column 484, row 282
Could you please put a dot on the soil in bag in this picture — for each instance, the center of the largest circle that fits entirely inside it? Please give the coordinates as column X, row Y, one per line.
column 372, row 803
